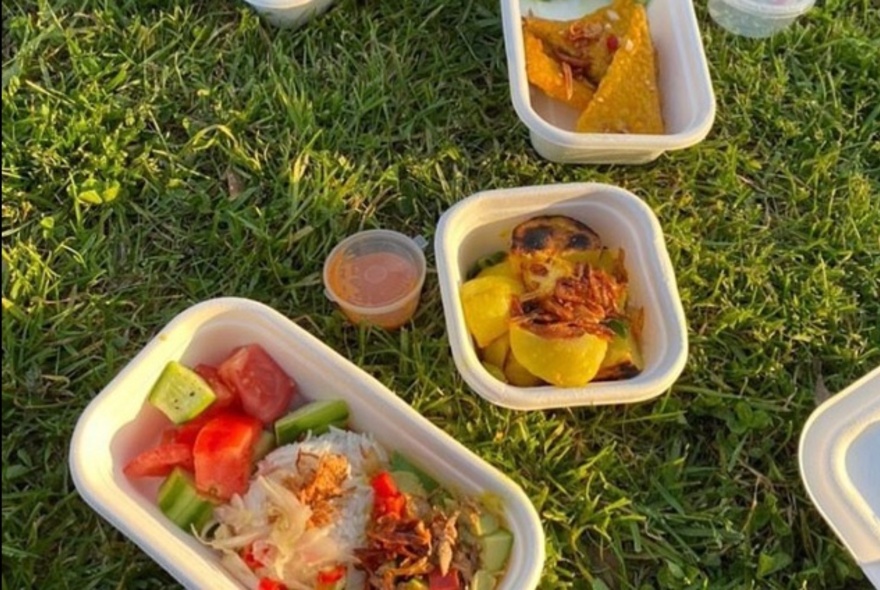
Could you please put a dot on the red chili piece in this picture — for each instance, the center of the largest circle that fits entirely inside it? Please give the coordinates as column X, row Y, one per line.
column 612, row 42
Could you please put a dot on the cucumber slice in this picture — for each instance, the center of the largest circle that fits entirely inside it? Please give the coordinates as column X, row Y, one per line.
column 401, row 463
column 414, row 584
column 316, row 417
column 179, row 500
column 483, row 580
column 264, row 445
column 485, row 523
column 180, row 393
column 409, row 483
column 495, row 549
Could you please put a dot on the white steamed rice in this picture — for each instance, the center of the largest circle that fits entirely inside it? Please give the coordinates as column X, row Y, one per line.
column 354, row 511
column 253, row 518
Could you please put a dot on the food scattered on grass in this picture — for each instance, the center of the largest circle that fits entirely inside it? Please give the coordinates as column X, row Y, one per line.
column 555, row 308
column 602, row 64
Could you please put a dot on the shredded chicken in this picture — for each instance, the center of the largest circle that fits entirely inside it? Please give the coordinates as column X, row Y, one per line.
column 584, row 32
column 446, row 535
column 578, row 304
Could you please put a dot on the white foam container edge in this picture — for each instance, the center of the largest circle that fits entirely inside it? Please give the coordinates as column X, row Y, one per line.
column 838, row 458
column 688, row 100
column 117, row 425
column 481, row 225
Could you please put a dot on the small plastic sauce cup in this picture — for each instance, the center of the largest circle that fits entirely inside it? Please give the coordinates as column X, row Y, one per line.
column 376, row 277
column 757, row 18
column 290, row 14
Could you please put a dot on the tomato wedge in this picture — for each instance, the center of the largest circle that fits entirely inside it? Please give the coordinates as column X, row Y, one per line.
column 263, row 387
column 223, row 454
column 330, row 576
column 270, row 584
column 249, row 558
column 384, row 485
column 187, row 432
column 437, row 581
column 387, row 499
column 226, row 397
column 160, row 461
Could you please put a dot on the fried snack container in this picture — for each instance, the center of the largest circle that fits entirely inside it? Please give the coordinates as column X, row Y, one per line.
column 687, row 98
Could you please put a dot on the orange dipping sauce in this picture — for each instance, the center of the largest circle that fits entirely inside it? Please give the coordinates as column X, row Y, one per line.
column 376, row 279
column 378, row 282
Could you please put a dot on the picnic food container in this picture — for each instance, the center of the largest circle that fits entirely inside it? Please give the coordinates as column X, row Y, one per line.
column 376, row 277
column 686, row 95
column 290, row 14
column 839, row 449
column 757, row 18
column 117, row 425
column 481, row 225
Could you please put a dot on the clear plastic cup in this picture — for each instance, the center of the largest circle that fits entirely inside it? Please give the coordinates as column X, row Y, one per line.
column 290, row 14
column 757, row 18
column 376, row 277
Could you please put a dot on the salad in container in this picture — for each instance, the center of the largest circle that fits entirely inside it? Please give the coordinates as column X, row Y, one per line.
column 254, row 457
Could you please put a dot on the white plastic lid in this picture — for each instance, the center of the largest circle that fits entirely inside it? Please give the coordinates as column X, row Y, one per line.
column 839, row 448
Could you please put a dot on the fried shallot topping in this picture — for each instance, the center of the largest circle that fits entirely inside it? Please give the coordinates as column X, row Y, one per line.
column 593, row 287
column 577, row 304
column 568, row 79
column 319, row 482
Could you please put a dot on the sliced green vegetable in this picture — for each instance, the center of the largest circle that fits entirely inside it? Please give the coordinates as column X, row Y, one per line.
column 623, row 358
column 485, row 523
column 180, row 393
column 401, row 463
column 483, row 580
column 264, row 445
column 495, row 549
column 179, row 500
column 495, row 371
column 409, row 483
column 486, row 262
column 316, row 417
column 414, row 584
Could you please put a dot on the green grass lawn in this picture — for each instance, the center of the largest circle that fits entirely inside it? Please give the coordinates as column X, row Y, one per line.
column 158, row 153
